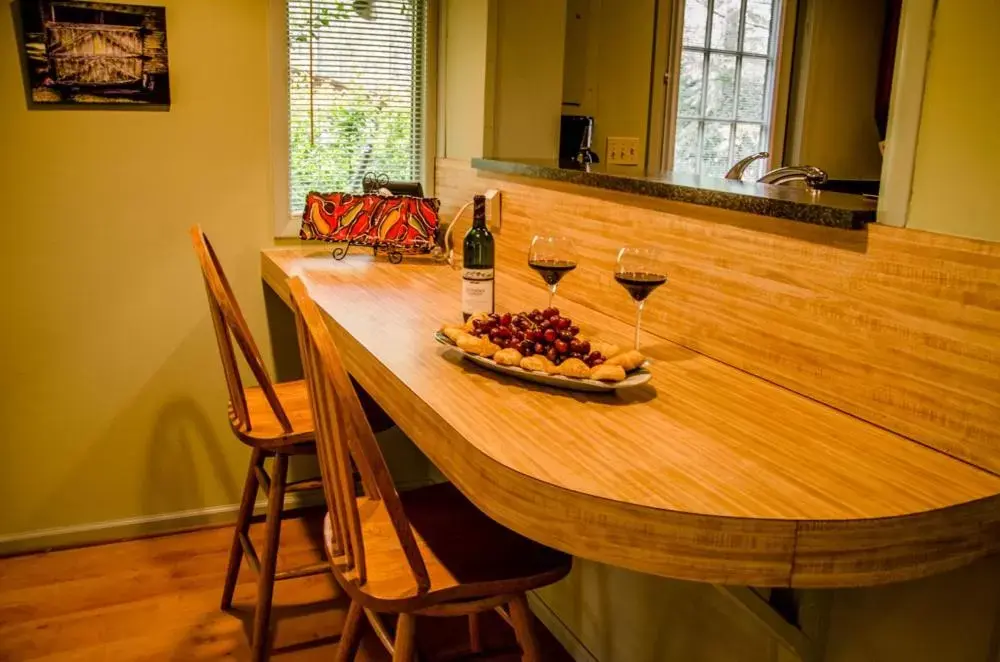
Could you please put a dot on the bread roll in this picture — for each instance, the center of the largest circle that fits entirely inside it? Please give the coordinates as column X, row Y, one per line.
column 508, row 356
column 608, row 373
column 629, row 360
column 574, row 368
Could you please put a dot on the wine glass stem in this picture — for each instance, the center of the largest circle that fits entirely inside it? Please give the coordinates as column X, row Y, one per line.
column 638, row 320
column 552, row 294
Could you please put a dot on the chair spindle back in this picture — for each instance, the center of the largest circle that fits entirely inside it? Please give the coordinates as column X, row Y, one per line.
column 343, row 435
column 230, row 324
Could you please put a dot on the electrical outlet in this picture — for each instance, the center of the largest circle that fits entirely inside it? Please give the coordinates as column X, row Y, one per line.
column 623, row 151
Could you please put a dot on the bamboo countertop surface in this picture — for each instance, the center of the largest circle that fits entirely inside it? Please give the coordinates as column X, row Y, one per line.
column 705, row 473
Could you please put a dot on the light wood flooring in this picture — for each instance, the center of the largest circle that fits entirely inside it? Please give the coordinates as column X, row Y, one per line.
column 158, row 599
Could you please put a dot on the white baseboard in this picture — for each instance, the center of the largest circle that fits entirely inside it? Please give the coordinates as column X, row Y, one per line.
column 576, row 648
column 151, row 525
column 138, row 527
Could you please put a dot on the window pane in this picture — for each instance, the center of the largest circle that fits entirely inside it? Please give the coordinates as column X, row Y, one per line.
column 726, row 24
column 721, row 96
column 748, row 142
column 686, row 146
column 753, row 83
column 695, row 22
column 689, row 91
column 715, row 160
column 757, row 35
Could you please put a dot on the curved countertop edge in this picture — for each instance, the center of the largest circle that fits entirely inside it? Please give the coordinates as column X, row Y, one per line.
column 704, row 548
column 837, row 210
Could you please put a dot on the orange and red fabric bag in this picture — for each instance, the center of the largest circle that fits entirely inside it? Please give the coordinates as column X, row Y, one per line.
column 371, row 220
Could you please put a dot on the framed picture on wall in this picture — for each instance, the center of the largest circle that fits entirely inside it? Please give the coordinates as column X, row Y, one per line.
column 95, row 53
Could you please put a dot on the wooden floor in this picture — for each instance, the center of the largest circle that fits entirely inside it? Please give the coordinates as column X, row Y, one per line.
column 157, row 599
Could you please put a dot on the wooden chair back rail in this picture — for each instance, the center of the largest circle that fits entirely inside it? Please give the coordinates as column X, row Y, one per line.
column 342, row 436
column 234, row 383
column 228, row 319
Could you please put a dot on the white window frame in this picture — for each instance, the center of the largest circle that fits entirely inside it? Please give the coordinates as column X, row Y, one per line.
column 778, row 78
column 286, row 224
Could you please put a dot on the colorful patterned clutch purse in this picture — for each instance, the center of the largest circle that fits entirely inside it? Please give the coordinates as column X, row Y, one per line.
column 397, row 224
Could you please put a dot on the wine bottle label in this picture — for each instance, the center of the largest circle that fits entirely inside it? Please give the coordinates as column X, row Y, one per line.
column 477, row 291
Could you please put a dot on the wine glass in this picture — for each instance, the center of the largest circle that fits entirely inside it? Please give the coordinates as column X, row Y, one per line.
column 640, row 271
column 552, row 257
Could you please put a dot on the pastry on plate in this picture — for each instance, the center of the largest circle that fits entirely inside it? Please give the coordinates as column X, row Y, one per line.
column 539, row 363
column 574, row 368
column 608, row 373
column 482, row 317
column 452, row 332
column 606, row 348
column 508, row 356
column 473, row 345
column 629, row 360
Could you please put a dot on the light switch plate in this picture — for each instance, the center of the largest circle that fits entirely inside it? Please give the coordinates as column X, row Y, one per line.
column 623, row 151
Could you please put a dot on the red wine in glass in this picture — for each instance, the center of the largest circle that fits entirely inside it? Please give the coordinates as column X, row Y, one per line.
column 640, row 284
column 552, row 257
column 640, row 271
column 552, row 271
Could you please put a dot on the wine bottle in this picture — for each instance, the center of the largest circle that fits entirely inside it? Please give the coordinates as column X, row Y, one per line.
column 477, row 264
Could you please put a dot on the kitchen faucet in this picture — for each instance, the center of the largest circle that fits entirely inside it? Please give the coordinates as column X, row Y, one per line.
column 812, row 175
column 736, row 172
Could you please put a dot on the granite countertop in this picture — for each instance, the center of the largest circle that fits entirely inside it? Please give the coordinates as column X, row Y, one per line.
column 840, row 210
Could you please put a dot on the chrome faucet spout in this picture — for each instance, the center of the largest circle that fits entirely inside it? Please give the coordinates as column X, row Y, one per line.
column 811, row 175
column 736, row 172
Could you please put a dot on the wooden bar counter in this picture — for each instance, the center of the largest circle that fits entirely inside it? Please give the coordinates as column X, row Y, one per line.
column 706, row 473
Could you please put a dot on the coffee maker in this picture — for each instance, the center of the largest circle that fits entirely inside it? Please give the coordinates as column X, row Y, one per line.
column 575, row 135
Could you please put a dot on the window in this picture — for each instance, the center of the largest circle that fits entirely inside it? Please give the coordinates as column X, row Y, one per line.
column 356, row 93
column 725, row 86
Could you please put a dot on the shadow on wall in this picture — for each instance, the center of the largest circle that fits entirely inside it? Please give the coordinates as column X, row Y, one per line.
column 284, row 338
column 619, row 614
column 184, row 458
column 182, row 441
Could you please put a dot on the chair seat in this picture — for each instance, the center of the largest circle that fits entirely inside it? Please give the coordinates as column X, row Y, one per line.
column 265, row 430
column 468, row 555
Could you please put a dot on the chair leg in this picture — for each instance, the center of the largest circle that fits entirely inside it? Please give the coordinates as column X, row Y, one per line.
column 250, row 487
column 268, row 564
column 520, row 616
column 406, row 638
column 475, row 640
column 350, row 637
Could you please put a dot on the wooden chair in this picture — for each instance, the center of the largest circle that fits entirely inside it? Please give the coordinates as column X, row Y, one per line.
column 427, row 552
column 275, row 420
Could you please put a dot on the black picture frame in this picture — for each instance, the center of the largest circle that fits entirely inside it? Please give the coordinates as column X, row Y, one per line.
column 84, row 54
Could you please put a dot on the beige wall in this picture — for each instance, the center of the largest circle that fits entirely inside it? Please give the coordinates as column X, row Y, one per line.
column 959, row 139
column 113, row 400
column 528, row 78
column 465, row 38
column 616, row 60
column 618, row 614
column 832, row 111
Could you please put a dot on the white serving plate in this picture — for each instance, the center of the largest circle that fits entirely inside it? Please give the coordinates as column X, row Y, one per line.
column 637, row 377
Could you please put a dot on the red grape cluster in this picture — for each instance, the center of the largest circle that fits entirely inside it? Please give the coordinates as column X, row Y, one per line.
column 538, row 332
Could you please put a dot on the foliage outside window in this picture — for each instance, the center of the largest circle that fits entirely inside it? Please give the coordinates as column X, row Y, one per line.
column 726, row 82
column 356, row 71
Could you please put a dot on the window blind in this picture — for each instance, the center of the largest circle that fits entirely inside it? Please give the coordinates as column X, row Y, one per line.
column 356, row 79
